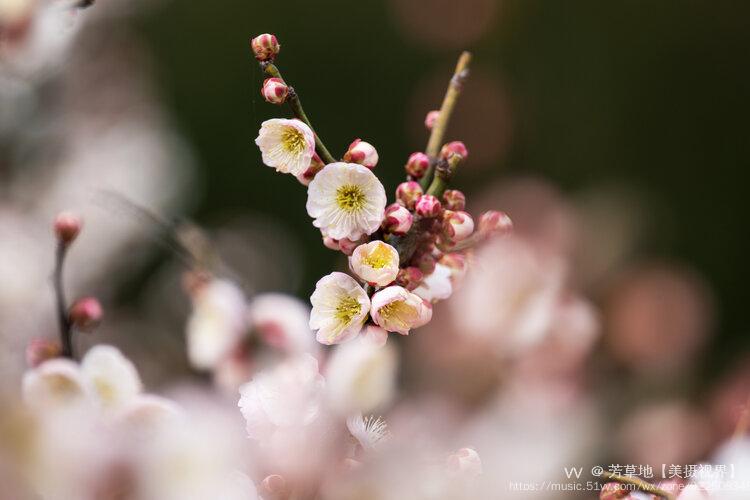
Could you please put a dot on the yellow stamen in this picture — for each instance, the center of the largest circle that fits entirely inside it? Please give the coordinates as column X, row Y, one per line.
column 400, row 313
column 350, row 198
column 378, row 258
column 347, row 308
column 293, row 140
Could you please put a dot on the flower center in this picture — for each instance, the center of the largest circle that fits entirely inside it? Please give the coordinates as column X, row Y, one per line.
column 350, row 198
column 347, row 308
column 293, row 140
column 399, row 313
column 378, row 258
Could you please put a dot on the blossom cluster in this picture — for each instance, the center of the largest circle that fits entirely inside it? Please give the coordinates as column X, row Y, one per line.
column 403, row 256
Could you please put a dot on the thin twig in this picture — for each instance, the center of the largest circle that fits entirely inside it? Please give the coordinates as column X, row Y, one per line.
column 294, row 102
column 637, row 483
column 62, row 308
column 446, row 110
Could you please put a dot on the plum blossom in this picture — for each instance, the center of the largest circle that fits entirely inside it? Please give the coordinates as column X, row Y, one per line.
column 375, row 262
column 286, row 145
column 113, row 377
column 282, row 322
column 339, row 308
column 398, row 310
column 217, row 323
column 346, row 200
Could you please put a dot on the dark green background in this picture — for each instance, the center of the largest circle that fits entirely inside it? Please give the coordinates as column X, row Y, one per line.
column 653, row 94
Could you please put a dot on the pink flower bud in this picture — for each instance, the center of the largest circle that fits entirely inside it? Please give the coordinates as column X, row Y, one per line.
column 417, row 165
column 316, row 165
column 363, row 153
column 274, row 484
column 67, row 226
column 431, row 118
column 397, row 219
column 453, row 199
column 425, row 262
column 409, row 278
column 456, row 262
column 428, row 206
column 454, row 148
column 457, row 226
column 407, row 194
column 265, row 47
column 465, row 462
column 86, row 314
column 494, row 222
column 348, row 246
column 613, row 491
column 40, row 350
column 331, row 244
column 274, row 90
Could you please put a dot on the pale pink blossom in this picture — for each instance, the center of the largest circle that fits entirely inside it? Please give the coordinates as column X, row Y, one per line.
column 339, row 308
column 286, row 145
column 375, row 262
column 398, row 310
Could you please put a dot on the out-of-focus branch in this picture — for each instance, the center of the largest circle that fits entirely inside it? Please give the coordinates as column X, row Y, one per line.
column 62, row 308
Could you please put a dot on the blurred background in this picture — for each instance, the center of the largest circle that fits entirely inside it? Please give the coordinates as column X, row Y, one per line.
column 613, row 133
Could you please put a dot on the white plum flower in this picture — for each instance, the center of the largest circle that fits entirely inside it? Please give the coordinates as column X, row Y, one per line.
column 437, row 286
column 112, row 376
column 283, row 322
column 398, row 310
column 56, row 383
column 360, row 377
column 368, row 431
column 339, row 308
column 217, row 323
column 289, row 396
column 346, row 200
column 375, row 262
column 286, row 145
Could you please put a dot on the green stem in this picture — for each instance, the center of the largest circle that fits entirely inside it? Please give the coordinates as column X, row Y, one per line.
column 294, row 102
column 443, row 173
column 446, row 110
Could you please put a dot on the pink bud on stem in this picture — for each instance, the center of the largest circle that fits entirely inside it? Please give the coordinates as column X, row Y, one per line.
column 86, row 314
column 265, row 47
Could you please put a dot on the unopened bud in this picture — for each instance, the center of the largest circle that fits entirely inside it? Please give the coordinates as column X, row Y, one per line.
column 453, row 199
column 363, row 153
column 425, row 262
column 397, row 220
column 265, row 47
column 457, row 226
column 40, row 350
column 417, row 165
column 316, row 165
column 86, row 314
column 613, row 491
column 274, row 484
column 274, row 90
column 407, row 194
column 454, row 148
column 67, row 227
column 348, row 246
column 431, row 119
column 409, row 278
column 495, row 222
column 331, row 244
column 428, row 206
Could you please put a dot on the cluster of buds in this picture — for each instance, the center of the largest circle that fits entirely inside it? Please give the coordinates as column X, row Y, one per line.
column 403, row 256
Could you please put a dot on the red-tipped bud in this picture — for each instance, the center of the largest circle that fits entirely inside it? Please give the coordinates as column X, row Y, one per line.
column 398, row 219
column 316, row 165
column 274, row 90
column 274, row 484
column 431, row 119
column 425, row 262
column 454, row 148
column 363, row 153
column 86, row 314
column 265, row 47
column 494, row 222
column 428, row 206
column 453, row 199
column 347, row 246
column 331, row 244
column 409, row 278
column 457, row 226
column 417, row 165
column 67, row 227
column 407, row 194
column 40, row 350
column 613, row 491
